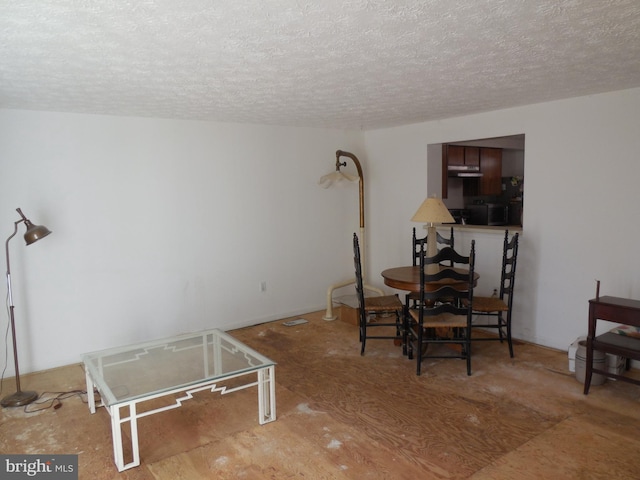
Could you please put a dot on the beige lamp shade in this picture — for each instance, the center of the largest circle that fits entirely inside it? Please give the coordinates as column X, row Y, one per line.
column 433, row 211
column 338, row 177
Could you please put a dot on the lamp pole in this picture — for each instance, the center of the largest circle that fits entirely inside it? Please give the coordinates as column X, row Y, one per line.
column 33, row 234
column 329, row 312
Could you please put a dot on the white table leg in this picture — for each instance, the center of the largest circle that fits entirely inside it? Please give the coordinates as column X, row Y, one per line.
column 266, row 395
column 91, row 399
column 116, row 431
column 134, row 436
column 116, row 434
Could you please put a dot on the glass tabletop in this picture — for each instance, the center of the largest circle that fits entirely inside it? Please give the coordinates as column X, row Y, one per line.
column 135, row 371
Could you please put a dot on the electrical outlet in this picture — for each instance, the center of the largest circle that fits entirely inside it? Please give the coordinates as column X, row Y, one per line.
column 263, row 286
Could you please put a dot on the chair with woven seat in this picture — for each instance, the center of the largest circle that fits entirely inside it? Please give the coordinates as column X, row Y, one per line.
column 372, row 309
column 499, row 307
column 418, row 246
column 442, row 314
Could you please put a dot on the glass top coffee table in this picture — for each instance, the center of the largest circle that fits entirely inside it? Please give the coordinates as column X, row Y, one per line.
column 178, row 366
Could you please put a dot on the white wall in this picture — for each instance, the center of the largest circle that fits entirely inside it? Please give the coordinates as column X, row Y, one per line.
column 580, row 220
column 161, row 227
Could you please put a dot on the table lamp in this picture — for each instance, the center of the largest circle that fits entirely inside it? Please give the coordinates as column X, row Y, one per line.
column 32, row 235
column 432, row 212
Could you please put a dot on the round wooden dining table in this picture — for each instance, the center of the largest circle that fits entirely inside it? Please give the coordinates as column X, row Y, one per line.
column 408, row 278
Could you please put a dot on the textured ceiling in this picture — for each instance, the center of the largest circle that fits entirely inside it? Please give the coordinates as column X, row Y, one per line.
column 326, row 63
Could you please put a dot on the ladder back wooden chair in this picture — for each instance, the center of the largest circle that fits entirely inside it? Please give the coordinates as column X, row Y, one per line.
column 372, row 309
column 418, row 246
column 497, row 309
column 442, row 314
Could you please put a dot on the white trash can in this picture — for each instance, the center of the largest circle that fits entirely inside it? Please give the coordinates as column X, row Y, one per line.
column 599, row 362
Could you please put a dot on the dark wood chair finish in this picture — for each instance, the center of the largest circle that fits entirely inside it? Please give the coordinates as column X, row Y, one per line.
column 419, row 245
column 380, row 306
column 498, row 309
column 442, row 315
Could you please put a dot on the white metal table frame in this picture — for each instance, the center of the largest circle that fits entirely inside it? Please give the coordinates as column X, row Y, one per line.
column 220, row 342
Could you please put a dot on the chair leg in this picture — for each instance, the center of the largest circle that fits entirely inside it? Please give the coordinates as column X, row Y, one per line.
column 407, row 335
column 468, row 348
column 501, row 325
column 509, row 340
column 419, row 348
column 405, row 331
column 400, row 330
column 363, row 334
column 587, row 377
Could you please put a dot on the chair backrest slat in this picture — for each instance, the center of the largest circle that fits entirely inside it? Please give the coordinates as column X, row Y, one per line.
column 508, row 272
column 358, row 267
column 447, row 298
column 418, row 244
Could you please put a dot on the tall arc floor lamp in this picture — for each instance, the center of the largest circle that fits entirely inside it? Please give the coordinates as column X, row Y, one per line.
column 341, row 177
column 32, row 235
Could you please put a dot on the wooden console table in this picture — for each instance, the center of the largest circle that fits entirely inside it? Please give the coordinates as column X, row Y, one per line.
column 619, row 310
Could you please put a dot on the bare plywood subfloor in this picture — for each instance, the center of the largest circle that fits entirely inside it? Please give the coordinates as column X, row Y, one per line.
column 346, row 416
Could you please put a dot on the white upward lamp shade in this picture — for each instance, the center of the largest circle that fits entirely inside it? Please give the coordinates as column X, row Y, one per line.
column 432, row 212
column 336, row 177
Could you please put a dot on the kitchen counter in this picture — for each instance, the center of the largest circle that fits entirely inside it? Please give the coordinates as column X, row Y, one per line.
column 482, row 228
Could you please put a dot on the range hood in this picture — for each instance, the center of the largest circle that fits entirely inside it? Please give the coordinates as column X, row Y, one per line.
column 464, row 171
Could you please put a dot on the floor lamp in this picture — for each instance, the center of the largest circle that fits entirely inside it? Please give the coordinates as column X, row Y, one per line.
column 340, row 177
column 33, row 234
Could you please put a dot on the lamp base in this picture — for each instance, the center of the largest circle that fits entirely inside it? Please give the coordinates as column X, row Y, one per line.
column 432, row 249
column 18, row 399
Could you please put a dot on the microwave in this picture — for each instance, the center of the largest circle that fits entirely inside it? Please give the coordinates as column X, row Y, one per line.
column 488, row 214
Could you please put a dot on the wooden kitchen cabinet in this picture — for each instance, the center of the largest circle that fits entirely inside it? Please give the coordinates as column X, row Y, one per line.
column 457, row 155
column 453, row 155
column 488, row 159
column 491, row 168
column 445, row 174
column 472, row 156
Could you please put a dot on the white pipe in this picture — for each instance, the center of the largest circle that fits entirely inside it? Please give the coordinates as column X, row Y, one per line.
column 329, row 313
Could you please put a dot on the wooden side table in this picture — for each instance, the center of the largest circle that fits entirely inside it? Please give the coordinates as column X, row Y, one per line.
column 614, row 309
